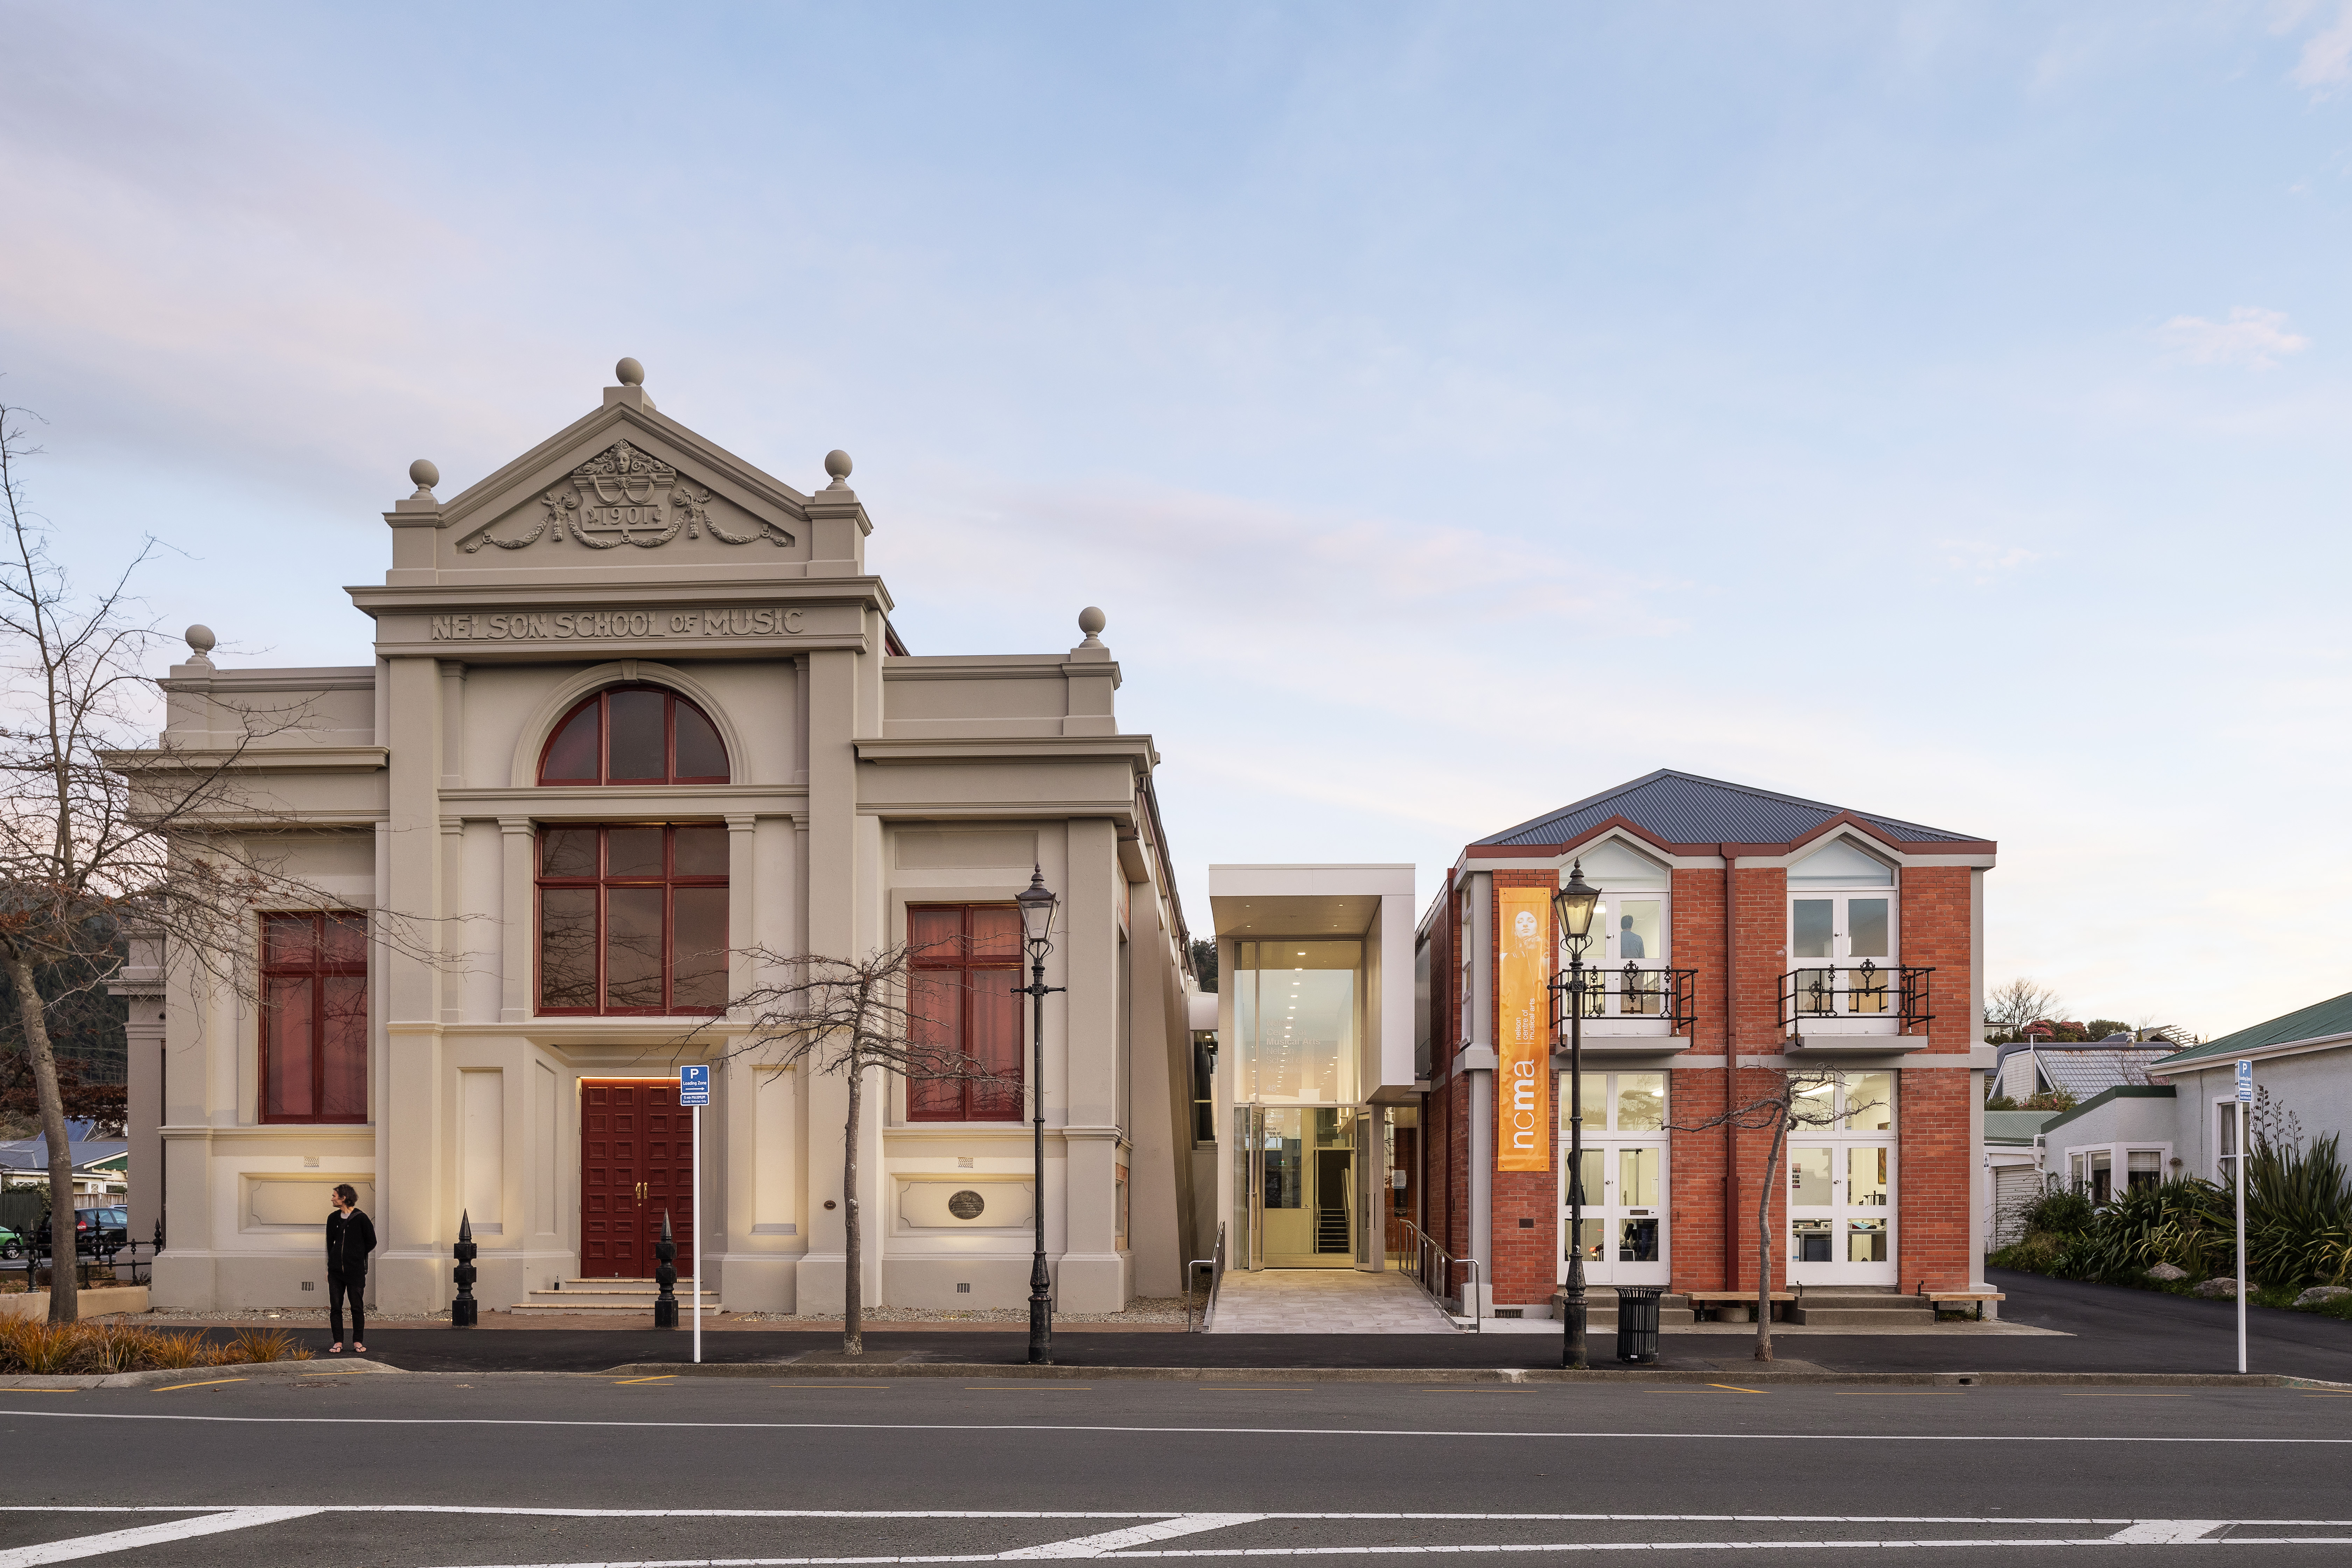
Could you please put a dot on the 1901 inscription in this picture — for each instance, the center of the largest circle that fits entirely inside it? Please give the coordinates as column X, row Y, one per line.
column 605, row 625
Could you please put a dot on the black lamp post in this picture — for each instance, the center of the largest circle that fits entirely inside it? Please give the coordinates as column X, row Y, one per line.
column 1037, row 902
column 1573, row 904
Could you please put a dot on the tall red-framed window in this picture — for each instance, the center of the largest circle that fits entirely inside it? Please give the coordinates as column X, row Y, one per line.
column 632, row 919
column 314, row 1017
column 634, row 734
column 966, row 961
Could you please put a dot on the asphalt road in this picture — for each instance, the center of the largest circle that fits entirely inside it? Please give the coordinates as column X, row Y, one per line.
column 440, row 1470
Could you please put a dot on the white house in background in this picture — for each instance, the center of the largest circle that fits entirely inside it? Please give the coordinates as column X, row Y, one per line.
column 2184, row 1122
column 2079, row 1067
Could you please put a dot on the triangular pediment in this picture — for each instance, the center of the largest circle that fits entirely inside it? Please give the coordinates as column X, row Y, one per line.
column 625, row 487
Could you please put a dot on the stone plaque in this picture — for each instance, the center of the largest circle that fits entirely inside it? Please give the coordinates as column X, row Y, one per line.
column 967, row 1205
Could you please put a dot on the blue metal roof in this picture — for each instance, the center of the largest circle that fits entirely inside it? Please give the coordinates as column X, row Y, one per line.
column 1683, row 808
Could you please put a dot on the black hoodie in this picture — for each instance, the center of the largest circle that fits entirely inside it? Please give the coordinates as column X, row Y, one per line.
column 350, row 1238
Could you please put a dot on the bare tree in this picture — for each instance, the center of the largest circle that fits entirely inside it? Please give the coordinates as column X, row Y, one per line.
column 1795, row 1103
column 100, row 837
column 2014, row 1004
column 852, row 1016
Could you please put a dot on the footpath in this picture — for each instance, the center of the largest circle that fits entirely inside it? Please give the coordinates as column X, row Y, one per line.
column 2086, row 1331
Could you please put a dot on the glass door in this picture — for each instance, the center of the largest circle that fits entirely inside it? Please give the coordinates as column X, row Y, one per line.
column 1624, row 1235
column 1296, row 1171
column 1845, row 931
column 1841, row 1183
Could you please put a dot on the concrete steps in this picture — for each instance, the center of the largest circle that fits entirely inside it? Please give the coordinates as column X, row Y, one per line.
column 612, row 1296
column 1850, row 1309
column 1601, row 1309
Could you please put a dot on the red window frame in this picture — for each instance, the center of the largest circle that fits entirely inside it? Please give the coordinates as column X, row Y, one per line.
column 602, row 884
column 295, row 951
column 965, row 962
column 602, row 702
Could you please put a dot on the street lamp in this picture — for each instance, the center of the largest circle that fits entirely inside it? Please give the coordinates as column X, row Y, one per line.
column 1037, row 903
column 1573, row 906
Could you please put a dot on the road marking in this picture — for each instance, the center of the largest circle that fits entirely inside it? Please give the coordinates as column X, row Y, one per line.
column 1895, row 1392
column 209, row 1382
column 1028, row 1388
column 1508, row 1435
column 2121, row 1394
column 822, row 1385
column 144, row 1535
column 1478, row 1390
column 663, row 1378
column 1132, row 1535
column 1734, row 1388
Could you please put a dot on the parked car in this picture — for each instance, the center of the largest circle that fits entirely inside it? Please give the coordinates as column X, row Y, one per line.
column 11, row 1244
column 98, row 1233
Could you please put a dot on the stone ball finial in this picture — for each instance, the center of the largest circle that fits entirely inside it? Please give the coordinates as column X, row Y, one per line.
column 423, row 474
column 836, row 463
column 630, row 373
column 1091, row 621
column 201, row 642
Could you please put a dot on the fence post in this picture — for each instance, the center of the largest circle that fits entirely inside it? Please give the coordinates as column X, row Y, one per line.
column 666, row 1275
column 464, row 1311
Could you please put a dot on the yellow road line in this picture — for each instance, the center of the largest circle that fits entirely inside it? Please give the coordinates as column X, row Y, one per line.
column 208, row 1383
column 1028, row 1388
column 1734, row 1388
column 665, row 1377
column 1895, row 1392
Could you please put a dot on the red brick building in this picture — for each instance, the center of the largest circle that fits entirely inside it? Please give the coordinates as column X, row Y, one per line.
column 1739, row 933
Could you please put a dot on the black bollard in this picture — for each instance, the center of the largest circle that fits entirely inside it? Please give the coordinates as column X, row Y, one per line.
column 666, row 1275
column 464, row 1312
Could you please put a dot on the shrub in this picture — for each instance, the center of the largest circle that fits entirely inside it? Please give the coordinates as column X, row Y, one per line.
column 2059, row 1212
column 29, row 1345
column 2298, row 1211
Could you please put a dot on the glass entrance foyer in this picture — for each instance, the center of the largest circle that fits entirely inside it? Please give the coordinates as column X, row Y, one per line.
column 1301, row 1145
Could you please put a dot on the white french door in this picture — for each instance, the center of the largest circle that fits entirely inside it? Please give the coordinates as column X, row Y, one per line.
column 1624, row 1235
column 1842, row 1183
column 1843, row 933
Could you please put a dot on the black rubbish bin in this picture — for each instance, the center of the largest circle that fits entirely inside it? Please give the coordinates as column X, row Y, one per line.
column 1637, row 1323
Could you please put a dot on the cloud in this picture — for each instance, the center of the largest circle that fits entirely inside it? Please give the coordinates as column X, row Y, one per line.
column 2325, row 64
column 2252, row 337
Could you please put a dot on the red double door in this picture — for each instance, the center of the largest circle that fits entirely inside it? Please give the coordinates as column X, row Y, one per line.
column 636, row 1164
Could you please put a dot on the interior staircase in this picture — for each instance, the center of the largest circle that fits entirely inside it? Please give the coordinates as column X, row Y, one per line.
column 613, row 1296
column 1331, row 1230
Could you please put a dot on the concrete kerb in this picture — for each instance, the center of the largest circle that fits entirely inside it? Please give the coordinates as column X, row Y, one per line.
column 150, row 1378
column 1811, row 1376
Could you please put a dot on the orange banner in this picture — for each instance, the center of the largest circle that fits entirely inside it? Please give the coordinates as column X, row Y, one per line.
column 1522, row 1034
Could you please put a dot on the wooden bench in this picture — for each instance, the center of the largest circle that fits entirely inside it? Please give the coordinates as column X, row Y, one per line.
column 1936, row 1298
column 1702, row 1299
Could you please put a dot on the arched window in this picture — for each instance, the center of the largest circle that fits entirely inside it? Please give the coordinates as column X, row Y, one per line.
column 634, row 734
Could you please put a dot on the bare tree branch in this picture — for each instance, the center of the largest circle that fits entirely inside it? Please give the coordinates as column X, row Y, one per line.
column 851, row 1016
column 1795, row 1104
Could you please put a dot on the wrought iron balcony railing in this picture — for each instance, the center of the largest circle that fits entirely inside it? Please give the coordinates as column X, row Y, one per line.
column 1896, row 992
column 1658, row 995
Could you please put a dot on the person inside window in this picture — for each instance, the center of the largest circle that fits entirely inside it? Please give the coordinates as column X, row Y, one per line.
column 1629, row 940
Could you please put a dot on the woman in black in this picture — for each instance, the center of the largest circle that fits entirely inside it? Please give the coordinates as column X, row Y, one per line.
column 350, row 1238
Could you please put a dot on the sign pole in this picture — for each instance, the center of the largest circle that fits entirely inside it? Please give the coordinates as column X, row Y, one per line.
column 694, row 1091
column 2245, row 1103
column 698, row 1251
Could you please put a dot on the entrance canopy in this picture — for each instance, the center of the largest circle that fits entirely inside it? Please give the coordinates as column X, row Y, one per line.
column 1322, row 909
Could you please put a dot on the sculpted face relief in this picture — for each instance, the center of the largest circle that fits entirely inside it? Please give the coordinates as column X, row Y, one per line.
column 603, row 626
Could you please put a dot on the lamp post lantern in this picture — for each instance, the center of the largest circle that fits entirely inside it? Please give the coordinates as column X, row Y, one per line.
column 1573, row 906
column 1037, row 903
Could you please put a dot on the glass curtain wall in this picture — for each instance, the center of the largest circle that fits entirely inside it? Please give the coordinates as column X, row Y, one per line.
column 1296, row 1017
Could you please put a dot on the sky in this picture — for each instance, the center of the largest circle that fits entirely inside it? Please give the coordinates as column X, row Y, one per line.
column 1937, row 410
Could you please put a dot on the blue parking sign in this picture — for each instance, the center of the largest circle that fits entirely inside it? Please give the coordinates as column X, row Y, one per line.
column 2246, row 1082
column 694, row 1086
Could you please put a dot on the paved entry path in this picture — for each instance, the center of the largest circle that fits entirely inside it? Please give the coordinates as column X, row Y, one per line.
column 1324, row 1302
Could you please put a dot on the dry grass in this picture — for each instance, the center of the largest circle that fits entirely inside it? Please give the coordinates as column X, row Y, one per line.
column 30, row 1346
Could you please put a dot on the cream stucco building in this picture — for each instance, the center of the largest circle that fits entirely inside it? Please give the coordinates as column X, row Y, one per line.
column 636, row 708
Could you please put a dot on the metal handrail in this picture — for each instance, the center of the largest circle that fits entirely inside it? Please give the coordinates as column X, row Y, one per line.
column 1637, row 992
column 1425, row 1250
column 1896, row 990
column 1215, row 1264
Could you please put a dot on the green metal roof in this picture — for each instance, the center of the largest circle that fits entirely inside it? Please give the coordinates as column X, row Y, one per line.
column 2121, row 1091
column 2014, row 1126
column 2321, row 1019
